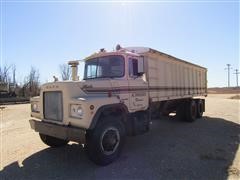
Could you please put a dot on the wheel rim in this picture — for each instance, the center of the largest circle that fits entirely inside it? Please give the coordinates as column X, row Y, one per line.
column 110, row 140
column 200, row 108
column 193, row 110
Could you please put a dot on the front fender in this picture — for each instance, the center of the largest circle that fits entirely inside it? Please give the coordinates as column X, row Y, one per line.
column 99, row 103
column 103, row 108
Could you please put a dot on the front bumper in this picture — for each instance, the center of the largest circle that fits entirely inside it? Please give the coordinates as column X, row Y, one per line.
column 59, row 131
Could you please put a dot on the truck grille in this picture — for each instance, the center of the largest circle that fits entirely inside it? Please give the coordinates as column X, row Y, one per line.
column 53, row 107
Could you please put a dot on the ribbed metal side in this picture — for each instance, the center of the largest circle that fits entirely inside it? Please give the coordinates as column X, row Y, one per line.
column 53, row 105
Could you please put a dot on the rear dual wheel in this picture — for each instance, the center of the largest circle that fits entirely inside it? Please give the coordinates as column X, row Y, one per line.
column 200, row 108
column 190, row 110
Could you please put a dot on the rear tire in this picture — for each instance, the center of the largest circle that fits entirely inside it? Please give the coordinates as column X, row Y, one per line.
column 52, row 141
column 190, row 110
column 181, row 112
column 200, row 108
column 105, row 142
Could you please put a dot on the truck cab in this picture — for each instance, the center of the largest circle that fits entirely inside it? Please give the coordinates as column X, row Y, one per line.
column 96, row 110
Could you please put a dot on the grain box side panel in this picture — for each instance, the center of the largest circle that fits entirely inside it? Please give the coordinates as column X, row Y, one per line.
column 174, row 72
column 153, row 77
column 194, row 81
column 172, row 79
column 162, row 78
column 186, row 80
column 159, row 77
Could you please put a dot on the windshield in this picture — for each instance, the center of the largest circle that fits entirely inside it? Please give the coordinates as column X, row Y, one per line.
column 104, row 67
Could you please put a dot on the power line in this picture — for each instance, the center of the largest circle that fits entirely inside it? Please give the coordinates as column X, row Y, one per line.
column 237, row 73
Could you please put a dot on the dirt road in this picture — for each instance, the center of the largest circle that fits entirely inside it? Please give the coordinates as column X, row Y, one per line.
column 205, row 149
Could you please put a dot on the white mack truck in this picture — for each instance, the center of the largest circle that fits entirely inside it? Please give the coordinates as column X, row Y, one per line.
column 117, row 97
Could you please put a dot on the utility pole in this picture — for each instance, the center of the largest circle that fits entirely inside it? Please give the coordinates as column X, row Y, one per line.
column 237, row 73
column 228, row 68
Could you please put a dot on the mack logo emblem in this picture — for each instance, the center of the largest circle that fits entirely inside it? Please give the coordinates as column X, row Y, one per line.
column 51, row 87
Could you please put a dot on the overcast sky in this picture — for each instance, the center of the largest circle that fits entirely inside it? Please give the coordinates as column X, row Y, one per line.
column 46, row 34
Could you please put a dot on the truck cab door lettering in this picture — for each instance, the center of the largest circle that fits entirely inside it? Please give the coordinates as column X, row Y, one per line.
column 138, row 86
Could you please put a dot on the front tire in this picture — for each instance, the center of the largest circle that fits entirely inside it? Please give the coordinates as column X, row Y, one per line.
column 52, row 141
column 105, row 142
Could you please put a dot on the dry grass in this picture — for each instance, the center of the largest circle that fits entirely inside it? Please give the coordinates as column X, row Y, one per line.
column 235, row 97
column 233, row 171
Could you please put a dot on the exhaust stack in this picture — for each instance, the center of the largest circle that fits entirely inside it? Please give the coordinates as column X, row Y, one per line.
column 74, row 66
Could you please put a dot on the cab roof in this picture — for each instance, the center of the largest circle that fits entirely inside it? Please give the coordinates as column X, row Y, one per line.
column 122, row 51
column 135, row 51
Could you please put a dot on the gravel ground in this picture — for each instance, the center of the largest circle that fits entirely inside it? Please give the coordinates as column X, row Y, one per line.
column 205, row 149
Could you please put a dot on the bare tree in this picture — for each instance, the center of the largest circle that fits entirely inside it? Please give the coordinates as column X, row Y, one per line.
column 14, row 74
column 65, row 71
column 4, row 73
column 32, row 83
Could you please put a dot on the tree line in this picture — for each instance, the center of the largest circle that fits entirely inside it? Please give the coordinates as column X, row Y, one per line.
column 29, row 86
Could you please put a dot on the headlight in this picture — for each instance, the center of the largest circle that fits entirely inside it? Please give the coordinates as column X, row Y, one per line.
column 76, row 111
column 35, row 107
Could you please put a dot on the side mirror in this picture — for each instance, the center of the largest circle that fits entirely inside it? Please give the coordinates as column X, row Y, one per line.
column 140, row 66
column 136, row 67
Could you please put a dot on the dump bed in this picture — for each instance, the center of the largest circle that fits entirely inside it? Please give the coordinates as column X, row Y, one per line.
column 170, row 77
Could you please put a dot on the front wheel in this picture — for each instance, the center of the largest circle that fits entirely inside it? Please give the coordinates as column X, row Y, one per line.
column 105, row 142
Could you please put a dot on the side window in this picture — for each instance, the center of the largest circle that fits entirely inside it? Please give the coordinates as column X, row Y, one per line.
column 133, row 67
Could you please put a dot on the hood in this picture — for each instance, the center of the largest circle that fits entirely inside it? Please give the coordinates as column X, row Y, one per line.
column 78, row 88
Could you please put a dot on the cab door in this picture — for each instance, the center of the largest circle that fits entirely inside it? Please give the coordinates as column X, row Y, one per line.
column 138, row 86
column 119, row 83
